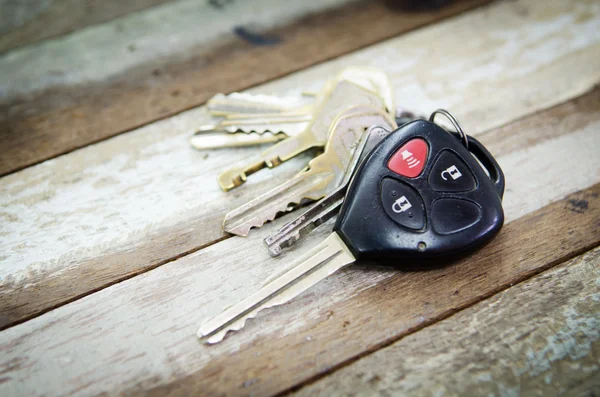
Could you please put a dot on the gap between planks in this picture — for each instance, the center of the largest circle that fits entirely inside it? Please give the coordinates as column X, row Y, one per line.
column 177, row 219
column 151, row 78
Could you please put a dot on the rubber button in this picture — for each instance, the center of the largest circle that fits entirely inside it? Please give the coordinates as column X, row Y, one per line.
column 452, row 215
column 403, row 204
column 410, row 159
column 451, row 174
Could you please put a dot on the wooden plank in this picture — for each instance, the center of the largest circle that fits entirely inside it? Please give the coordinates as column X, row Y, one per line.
column 23, row 23
column 55, row 98
column 549, row 346
column 140, row 334
column 549, row 124
column 127, row 212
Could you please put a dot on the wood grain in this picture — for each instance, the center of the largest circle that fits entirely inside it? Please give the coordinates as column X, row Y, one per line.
column 56, row 98
column 141, row 332
column 538, row 338
column 138, row 337
column 81, row 222
column 26, row 22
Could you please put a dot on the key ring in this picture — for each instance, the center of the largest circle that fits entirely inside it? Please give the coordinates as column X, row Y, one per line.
column 454, row 122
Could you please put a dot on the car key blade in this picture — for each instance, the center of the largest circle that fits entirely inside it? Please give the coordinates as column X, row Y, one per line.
column 323, row 174
column 328, row 207
column 344, row 95
column 323, row 260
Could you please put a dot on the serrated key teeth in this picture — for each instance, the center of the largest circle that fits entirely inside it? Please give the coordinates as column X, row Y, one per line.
column 231, row 179
column 213, row 332
column 239, row 224
column 242, row 227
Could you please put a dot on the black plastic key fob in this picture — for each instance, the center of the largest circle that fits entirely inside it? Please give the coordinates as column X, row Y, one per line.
column 422, row 194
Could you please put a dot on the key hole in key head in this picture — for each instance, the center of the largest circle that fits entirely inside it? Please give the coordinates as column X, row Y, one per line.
column 421, row 246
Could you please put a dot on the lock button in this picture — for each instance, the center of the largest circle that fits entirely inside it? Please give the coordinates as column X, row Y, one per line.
column 403, row 204
column 451, row 174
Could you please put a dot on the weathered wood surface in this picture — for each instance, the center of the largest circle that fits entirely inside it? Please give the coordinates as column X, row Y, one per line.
column 104, row 213
column 25, row 22
column 538, row 338
column 140, row 334
column 62, row 94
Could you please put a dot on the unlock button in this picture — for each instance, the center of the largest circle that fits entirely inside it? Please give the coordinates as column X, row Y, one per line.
column 451, row 174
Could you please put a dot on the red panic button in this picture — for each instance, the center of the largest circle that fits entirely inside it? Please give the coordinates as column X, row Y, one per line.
column 410, row 159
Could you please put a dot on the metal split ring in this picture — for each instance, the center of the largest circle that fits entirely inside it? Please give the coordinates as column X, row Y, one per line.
column 454, row 122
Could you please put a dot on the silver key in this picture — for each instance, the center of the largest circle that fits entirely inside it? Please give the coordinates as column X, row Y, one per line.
column 323, row 260
column 267, row 118
column 329, row 206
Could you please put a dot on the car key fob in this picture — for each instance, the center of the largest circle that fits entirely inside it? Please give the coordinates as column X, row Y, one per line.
column 423, row 193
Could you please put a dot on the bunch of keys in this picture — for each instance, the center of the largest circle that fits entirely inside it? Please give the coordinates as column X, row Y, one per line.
column 419, row 192
column 348, row 104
